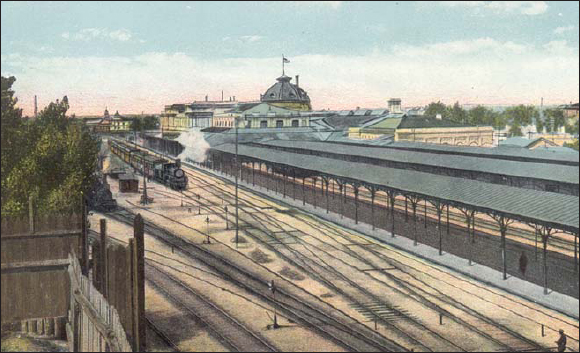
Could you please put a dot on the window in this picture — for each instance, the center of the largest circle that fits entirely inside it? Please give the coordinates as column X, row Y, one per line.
column 279, row 123
column 295, row 123
column 263, row 124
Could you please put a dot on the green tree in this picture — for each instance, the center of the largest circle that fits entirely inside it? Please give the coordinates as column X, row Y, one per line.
column 55, row 158
column 150, row 122
column 137, row 125
column 457, row 113
column 516, row 130
column 522, row 114
column 481, row 115
column 554, row 119
column 437, row 108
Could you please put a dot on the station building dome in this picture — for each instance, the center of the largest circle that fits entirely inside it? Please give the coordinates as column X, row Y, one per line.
column 285, row 94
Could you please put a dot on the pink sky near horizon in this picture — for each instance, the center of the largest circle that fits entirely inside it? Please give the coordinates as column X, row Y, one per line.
column 86, row 106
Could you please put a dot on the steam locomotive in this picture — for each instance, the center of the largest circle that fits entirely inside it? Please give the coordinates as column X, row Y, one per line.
column 162, row 170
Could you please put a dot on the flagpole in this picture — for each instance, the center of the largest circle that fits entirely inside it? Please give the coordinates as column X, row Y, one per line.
column 282, row 64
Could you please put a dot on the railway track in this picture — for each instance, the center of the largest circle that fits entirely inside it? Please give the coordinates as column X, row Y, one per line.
column 492, row 239
column 510, row 340
column 336, row 326
column 317, row 266
column 518, row 343
column 222, row 325
column 161, row 334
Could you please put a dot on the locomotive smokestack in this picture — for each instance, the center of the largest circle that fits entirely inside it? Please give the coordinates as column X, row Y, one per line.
column 178, row 162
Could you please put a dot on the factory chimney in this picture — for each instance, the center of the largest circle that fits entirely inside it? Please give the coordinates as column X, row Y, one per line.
column 35, row 107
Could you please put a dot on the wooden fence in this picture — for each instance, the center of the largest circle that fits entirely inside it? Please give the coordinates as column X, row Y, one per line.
column 34, row 260
column 118, row 273
column 94, row 325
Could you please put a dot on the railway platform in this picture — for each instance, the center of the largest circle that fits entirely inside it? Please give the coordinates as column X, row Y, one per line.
column 562, row 303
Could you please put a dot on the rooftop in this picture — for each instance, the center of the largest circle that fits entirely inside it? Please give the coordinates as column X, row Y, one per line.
column 556, row 210
column 559, row 173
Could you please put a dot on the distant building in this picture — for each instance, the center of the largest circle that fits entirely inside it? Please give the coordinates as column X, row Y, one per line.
column 120, row 123
column 559, row 138
column 571, row 113
column 522, row 142
column 267, row 116
column 403, row 127
column 181, row 117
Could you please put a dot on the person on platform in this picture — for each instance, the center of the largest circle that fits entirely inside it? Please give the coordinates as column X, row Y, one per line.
column 523, row 263
column 561, row 342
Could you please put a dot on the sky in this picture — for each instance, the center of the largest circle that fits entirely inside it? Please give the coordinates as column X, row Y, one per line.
column 139, row 56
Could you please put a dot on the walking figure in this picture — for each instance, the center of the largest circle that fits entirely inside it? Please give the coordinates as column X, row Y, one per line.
column 523, row 263
column 561, row 342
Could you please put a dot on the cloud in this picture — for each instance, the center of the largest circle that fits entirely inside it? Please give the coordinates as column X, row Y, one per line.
column 564, row 29
column 243, row 39
column 484, row 46
column 88, row 34
column 522, row 7
column 251, row 39
column 483, row 71
column 332, row 4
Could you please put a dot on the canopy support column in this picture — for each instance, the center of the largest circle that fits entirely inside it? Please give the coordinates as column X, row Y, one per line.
column 373, row 192
column 326, row 181
column 392, row 201
column 294, row 184
column 447, row 219
column 356, row 205
column 284, row 183
column 314, row 191
column 253, row 174
column 303, row 191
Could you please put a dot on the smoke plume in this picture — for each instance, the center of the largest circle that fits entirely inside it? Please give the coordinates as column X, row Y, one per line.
column 195, row 145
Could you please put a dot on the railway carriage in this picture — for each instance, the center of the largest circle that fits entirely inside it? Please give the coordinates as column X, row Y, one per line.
column 162, row 170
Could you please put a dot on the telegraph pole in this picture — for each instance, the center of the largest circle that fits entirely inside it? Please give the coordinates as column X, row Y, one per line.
column 236, row 177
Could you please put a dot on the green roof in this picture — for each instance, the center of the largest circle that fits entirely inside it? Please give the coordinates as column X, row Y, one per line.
column 552, row 209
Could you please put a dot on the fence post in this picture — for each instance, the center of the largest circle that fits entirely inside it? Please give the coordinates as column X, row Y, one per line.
column 138, row 270
column 84, row 238
column 31, row 213
column 104, row 271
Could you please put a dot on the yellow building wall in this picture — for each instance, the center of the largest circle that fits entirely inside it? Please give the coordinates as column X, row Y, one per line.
column 456, row 136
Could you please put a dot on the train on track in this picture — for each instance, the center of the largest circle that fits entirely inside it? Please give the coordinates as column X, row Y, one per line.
column 163, row 170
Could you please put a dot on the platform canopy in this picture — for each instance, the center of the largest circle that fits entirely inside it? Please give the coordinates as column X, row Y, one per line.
column 550, row 209
column 536, row 170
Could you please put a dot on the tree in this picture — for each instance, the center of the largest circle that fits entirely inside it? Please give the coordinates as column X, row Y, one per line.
column 516, row 130
column 52, row 158
column 481, row 115
column 457, row 114
column 150, row 122
column 555, row 119
column 437, row 108
column 137, row 124
column 522, row 114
